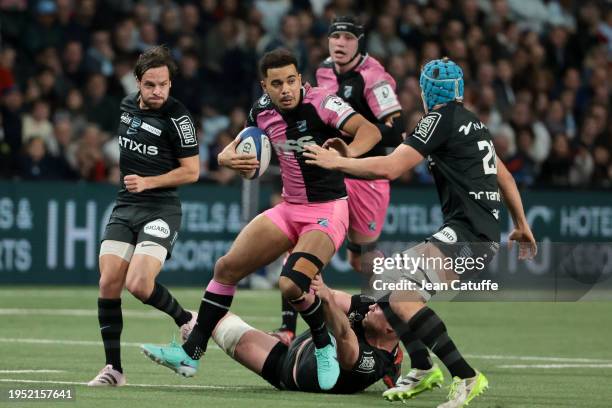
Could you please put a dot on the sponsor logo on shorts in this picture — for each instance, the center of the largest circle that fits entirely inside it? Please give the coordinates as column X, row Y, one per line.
column 324, row 222
column 367, row 363
column 447, row 235
column 427, row 126
column 158, row 228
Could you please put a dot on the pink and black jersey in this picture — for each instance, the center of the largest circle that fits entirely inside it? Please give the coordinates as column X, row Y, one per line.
column 368, row 88
column 319, row 116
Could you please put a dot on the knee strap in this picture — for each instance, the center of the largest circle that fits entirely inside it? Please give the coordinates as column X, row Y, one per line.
column 301, row 268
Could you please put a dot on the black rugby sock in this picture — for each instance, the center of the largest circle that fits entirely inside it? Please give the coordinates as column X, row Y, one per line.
column 430, row 329
column 215, row 304
column 161, row 299
column 111, row 325
column 289, row 316
column 419, row 355
column 314, row 317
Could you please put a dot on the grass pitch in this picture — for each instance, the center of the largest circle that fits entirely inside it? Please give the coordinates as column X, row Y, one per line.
column 534, row 354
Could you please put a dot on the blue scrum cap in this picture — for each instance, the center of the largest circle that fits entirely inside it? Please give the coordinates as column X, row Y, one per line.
column 441, row 82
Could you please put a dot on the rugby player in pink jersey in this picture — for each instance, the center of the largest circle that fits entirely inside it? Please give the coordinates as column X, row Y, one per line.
column 364, row 84
column 311, row 221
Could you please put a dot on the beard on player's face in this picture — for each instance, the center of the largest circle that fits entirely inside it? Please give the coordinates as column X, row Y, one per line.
column 154, row 87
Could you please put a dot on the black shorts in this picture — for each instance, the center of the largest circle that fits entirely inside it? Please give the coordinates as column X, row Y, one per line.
column 278, row 368
column 457, row 240
column 134, row 224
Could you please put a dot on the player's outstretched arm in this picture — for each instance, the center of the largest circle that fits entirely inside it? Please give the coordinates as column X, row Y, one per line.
column 365, row 135
column 522, row 232
column 187, row 172
column 346, row 340
column 402, row 159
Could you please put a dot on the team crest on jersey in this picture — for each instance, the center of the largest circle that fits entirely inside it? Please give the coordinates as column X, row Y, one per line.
column 348, row 91
column 264, row 100
column 186, row 131
column 367, row 363
column 427, row 126
column 133, row 129
column 372, row 225
column 301, row 125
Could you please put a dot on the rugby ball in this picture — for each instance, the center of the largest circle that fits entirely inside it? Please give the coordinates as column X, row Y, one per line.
column 253, row 140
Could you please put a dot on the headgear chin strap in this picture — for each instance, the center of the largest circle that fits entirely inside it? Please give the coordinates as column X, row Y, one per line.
column 441, row 82
column 348, row 24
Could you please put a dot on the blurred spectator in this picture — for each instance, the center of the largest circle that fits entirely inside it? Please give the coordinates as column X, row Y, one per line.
column 290, row 38
column 90, row 160
column 37, row 123
column 557, row 167
column 383, row 41
column 73, row 64
column 36, row 164
column 12, row 122
column 100, row 108
column 521, row 165
column 7, row 64
column 45, row 31
column 100, row 54
column 75, row 109
column 539, row 68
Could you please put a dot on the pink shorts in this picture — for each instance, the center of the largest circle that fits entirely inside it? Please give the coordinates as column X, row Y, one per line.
column 368, row 203
column 297, row 219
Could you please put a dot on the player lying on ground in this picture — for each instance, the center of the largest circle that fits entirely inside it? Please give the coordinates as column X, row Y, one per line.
column 159, row 151
column 363, row 83
column 469, row 178
column 367, row 346
column 311, row 221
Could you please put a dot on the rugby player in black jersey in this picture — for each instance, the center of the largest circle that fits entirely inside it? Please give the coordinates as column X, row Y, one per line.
column 367, row 346
column 159, row 151
column 471, row 181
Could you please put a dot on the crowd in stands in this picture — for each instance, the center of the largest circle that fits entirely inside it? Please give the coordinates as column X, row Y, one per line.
column 537, row 72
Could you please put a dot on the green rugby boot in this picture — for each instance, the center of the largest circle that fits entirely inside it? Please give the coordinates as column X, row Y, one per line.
column 414, row 383
column 464, row 390
column 172, row 356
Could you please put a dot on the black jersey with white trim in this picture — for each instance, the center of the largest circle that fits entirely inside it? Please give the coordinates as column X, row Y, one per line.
column 151, row 141
column 461, row 156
